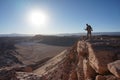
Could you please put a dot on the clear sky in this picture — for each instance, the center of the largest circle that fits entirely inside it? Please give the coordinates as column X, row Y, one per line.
column 63, row 16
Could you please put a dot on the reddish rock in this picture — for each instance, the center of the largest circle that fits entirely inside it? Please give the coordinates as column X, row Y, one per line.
column 29, row 76
column 114, row 68
column 23, row 69
column 106, row 77
column 99, row 57
column 111, row 77
column 96, row 57
column 65, row 76
column 89, row 72
column 73, row 75
column 27, row 69
column 79, row 70
column 82, row 48
column 100, row 77
column 72, row 57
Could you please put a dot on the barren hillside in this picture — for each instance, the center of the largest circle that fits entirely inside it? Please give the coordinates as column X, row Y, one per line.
column 31, row 52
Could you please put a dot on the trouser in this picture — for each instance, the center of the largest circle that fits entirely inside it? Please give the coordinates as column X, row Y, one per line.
column 89, row 35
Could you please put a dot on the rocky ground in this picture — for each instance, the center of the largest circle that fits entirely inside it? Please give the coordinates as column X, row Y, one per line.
column 100, row 58
column 96, row 59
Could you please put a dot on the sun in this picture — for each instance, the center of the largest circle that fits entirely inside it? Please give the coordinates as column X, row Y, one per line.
column 37, row 17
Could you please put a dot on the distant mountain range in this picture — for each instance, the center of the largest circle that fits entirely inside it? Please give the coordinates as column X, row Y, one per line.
column 64, row 34
column 15, row 35
column 95, row 33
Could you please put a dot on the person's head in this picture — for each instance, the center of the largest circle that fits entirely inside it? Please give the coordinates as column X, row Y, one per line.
column 86, row 24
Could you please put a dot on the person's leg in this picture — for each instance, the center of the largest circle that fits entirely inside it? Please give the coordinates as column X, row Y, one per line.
column 87, row 35
column 90, row 35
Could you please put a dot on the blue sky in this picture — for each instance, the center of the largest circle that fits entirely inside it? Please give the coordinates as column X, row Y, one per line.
column 65, row 16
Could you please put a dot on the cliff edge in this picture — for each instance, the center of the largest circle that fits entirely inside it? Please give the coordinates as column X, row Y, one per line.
column 97, row 59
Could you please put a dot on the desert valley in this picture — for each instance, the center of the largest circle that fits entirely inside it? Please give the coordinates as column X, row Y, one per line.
column 58, row 57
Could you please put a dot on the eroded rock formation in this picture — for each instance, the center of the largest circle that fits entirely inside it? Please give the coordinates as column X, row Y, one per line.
column 86, row 60
column 114, row 68
column 98, row 59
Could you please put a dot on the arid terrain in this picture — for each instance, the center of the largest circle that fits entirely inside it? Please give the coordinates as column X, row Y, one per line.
column 31, row 51
column 41, row 58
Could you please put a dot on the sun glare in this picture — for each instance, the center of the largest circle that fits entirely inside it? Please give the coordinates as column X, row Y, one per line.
column 37, row 18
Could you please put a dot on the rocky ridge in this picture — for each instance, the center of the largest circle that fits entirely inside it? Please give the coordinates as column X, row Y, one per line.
column 86, row 60
column 100, row 59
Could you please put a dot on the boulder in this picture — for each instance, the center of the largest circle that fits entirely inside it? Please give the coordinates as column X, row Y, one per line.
column 114, row 68
column 100, row 77
column 106, row 77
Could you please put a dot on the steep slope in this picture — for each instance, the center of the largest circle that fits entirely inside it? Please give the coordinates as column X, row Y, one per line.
column 52, row 64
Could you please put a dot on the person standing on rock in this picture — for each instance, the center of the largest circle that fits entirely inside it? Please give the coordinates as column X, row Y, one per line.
column 88, row 29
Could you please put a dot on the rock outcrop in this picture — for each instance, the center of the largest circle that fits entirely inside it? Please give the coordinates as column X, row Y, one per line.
column 114, row 68
column 87, row 60
column 96, row 56
column 106, row 77
column 28, row 76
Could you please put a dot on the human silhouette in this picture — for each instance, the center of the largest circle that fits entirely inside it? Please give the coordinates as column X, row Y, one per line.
column 88, row 29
